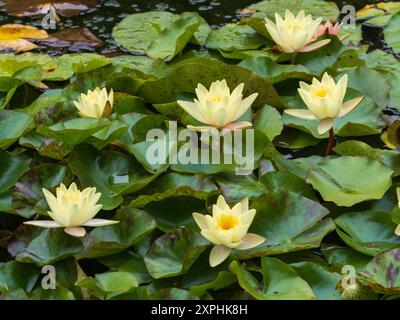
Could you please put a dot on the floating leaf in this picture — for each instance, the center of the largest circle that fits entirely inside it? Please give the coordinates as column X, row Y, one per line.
column 288, row 222
column 109, row 284
column 173, row 253
column 322, row 281
column 17, row 275
column 392, row 32
column 49, row 247
column 13, row 125
column 185, row 76
column 133, row 226
column 382, row 273
column 156, row 33
column 343, row 180
column 268, row 121
column 232, row 37
column 369, row 232
column 112, row 173
column 67, row 8
column 280, row 281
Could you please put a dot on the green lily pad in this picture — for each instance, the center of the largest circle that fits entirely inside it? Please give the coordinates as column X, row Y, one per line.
column 288, row 222
column 360, row 149
column 12, row 168
column 343, row 180
column 232, row 37
column 156, row 33
column 109, row 284
column 235, row 188
column 280, row 281
column 286, row 181
column 322, row 281
column 173, row 253
column 369, row 232
column 268, row 121
column 49, row 247
column 127, row 261
column 73, row 131
column 173, row 198
column 338, row 257
column 184, row 77
column 112, row 173
column 133, row 226
column 26, row 197
column 391, row 33
column 274, row 72
column 13, row 125
column 17, row 275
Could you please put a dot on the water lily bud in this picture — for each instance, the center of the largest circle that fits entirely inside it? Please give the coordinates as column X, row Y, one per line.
column 95, row 104
column 227, row 229
column 294, row 34
column 324, row 100
column 218, row 107
column 72, row 209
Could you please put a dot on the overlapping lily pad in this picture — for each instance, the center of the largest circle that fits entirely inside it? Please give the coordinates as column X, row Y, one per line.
column 343, row 180
column 112, row 173
column 288, row 222
column 280, row 281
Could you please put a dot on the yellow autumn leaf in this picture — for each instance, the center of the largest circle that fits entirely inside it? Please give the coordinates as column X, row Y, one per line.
column 12, row 36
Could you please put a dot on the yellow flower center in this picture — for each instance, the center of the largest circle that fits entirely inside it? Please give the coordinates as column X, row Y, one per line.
column 216, row 99
column 75, row 198
column 227, row 221
column 321, row 92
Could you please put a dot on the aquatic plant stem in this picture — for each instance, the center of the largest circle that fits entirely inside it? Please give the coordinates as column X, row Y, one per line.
column 331, row 142
column 293, row 58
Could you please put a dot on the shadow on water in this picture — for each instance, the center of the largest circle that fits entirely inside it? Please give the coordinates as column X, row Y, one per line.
column 109, row 12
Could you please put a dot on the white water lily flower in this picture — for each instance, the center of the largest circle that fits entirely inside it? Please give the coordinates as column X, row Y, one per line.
column 95, row 104
column 218, row 107
column 397, row 231
column 227, row 229
column 324, row 100
column 72, row 210
column 294, row 34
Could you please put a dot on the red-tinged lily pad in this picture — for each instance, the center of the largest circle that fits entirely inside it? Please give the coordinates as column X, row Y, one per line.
column 72, row 40
column 67, row 8
column 383, row 272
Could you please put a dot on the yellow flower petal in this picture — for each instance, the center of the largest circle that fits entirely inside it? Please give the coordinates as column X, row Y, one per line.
column 348, row 106
column 301, row 113
column 325, row 125
column 397, row 231
column 44, row 223
column 76, row 231
column 99, row 223
column 218, row 255
column 200, row 220
column 250, row 240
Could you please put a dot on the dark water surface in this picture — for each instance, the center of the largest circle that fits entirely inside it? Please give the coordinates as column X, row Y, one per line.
column 108, row 13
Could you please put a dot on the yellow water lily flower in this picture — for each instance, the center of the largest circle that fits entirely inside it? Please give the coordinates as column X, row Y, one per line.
column 324, row 100
column 294, row 34
column 397, row 231
column 72, row 210
column 218, row 107
column 95, row 104
column 227, row 229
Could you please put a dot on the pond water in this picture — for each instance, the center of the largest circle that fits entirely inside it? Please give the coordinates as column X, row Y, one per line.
column 108, row 13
